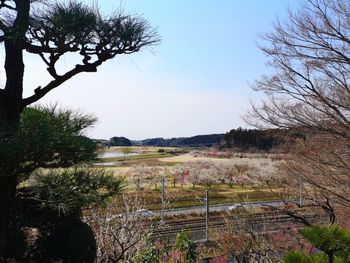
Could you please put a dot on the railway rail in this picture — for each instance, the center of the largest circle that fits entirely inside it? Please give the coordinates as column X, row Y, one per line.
column 264, row 222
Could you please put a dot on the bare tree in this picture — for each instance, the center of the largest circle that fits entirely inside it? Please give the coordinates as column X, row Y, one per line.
column 316, row 178
column 155, row 176
column 245, row 240
column 310, row 55
column 119, row 228
column 309, row 92
column 138, row 173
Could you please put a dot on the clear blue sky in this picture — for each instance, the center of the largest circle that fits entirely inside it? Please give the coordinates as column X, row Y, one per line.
column 194, row 82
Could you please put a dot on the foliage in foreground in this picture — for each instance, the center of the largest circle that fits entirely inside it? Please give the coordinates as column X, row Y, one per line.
column 332, row 241
column 50, row 199
column 47, row 137
column 184, row 250
column 119, row 228
column 71, row 189
column 53, row 138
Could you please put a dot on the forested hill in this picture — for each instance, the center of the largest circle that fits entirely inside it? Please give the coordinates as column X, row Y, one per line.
column 239, row 139
column 194, row 141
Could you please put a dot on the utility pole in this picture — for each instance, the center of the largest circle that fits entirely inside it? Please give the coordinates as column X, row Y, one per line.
column 206, row 202
column 300, row 192
column 163, row 199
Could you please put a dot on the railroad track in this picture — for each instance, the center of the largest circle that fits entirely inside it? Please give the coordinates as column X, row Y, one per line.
column 257, row 216
column 269, row 222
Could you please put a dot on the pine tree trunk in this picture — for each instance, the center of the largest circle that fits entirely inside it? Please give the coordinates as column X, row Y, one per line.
column 11, row 108
column 9, row 119
column 7, row 198
column 10, row 111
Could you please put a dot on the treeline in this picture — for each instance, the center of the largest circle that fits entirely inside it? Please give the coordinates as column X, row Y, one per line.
column 240, row 139
column 254, row 139
column 119, row 141
column 195, row 141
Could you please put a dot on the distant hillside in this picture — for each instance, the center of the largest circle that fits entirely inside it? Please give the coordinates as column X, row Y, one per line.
column 195, row 141
column 239, row 139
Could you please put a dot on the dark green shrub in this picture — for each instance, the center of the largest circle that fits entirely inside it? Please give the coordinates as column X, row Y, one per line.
column 70, row 242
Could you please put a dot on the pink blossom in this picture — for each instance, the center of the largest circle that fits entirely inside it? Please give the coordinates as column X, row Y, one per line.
column 175, row 255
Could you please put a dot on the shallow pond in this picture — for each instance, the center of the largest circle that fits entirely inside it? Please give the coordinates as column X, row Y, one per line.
column 107, row 164
column 115, row 155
